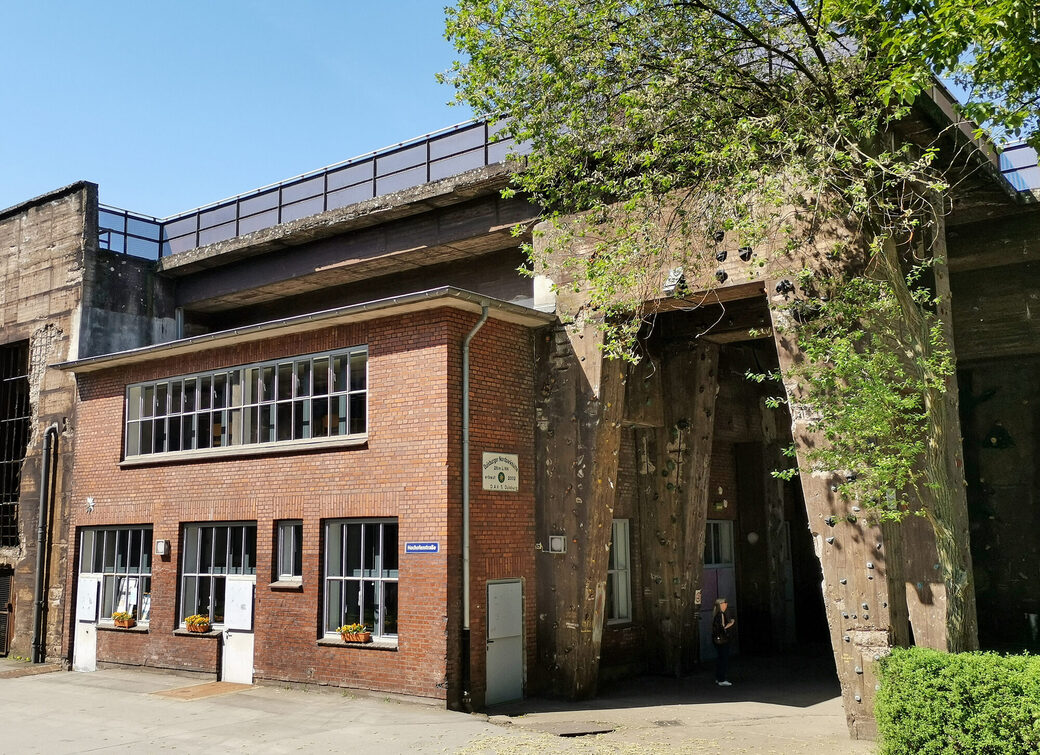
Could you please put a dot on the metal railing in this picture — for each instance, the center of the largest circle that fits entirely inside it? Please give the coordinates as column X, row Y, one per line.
column 427, row 158
column 1018, row 163
column 129, row 232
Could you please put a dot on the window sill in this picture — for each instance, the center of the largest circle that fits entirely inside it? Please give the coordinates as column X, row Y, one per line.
column 182, row 632
column 389, row 644
column 137, row 629
column 253, row 449
column 287, row 585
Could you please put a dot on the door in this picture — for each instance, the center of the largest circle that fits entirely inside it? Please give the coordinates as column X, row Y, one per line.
column 6, row 608
column 237, row 657
column 790, row 636
column 719, row 580
column 505, row 642
column 84, row 648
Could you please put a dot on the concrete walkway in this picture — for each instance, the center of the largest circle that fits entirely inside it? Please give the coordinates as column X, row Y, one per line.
column 771, row 712
column 784, row 705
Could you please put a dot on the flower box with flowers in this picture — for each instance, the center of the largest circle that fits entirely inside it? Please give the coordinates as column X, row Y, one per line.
column 354, row 633
column 124, row 620
column 197, row 623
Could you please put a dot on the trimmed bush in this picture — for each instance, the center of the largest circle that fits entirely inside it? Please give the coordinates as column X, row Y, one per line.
column 932, row 702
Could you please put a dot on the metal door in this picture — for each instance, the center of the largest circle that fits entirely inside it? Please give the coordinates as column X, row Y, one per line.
column 84, row 649
column 719, row 580
column 6, row 609
column 237, row 657
column 505, row 642
column 790, row 635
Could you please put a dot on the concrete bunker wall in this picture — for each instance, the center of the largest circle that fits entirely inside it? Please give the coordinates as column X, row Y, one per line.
column 42, row 246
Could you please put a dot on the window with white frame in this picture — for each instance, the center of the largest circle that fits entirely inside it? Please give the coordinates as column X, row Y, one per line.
column 290, row 550
column 361, row 575
column 210, row 553
column 718, row 543
column 122, row 557
column 619, row 578
column 303, row 398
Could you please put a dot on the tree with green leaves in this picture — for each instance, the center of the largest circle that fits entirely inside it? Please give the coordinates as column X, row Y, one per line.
column 660, row 126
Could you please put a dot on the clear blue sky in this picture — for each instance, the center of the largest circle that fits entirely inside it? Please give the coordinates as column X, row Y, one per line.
column 171, row 105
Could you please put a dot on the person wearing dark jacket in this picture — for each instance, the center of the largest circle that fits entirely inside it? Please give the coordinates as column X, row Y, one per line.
column 721, row 623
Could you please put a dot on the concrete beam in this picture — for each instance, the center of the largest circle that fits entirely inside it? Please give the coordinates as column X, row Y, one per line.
column 468, row 230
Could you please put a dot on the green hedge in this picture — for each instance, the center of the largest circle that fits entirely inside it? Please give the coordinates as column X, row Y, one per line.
column 931, row 702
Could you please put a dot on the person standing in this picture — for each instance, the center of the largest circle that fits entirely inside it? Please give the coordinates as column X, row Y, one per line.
column 721, row 624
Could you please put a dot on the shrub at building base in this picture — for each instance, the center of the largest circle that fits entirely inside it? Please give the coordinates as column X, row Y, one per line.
column 932, row 702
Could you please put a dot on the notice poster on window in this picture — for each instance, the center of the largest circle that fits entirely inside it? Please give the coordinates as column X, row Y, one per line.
column 501, row 472
column 127, row 594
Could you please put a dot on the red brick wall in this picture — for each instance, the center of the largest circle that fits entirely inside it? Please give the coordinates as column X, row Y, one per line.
column 502, row 420
column 408, row 469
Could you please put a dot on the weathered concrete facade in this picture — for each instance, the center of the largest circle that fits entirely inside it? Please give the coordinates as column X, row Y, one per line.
column 41, row 274
column 63, row 298
column 995, row 276
column 645, row 491
column 881, row 585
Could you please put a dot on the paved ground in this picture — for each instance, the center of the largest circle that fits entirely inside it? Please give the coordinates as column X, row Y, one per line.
column 770, row 709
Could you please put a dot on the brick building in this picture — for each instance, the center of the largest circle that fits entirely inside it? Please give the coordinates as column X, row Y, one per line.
column 264, row 408
column 313, row 507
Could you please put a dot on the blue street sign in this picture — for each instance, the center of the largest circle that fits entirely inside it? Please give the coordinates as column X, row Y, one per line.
column 422, row 547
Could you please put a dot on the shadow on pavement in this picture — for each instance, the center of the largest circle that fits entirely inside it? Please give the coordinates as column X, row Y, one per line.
column 799, row 681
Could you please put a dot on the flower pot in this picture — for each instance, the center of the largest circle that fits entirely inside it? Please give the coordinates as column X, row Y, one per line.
column 199, row 628
column 125, row 623
column 356, row 636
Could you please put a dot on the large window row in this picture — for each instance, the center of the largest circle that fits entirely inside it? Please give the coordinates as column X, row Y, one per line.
column 359, row 579
column 315, row 396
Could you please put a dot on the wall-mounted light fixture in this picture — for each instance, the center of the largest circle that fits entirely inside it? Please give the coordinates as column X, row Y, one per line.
column 674, row 281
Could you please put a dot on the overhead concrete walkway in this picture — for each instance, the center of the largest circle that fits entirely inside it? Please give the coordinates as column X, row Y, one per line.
column 768, row 710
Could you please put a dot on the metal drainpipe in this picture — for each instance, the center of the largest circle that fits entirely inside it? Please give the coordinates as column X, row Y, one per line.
column 465, row 502
column 39, row 643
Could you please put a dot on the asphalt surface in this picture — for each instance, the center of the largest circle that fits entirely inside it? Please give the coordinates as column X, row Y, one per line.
column 768, row 710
